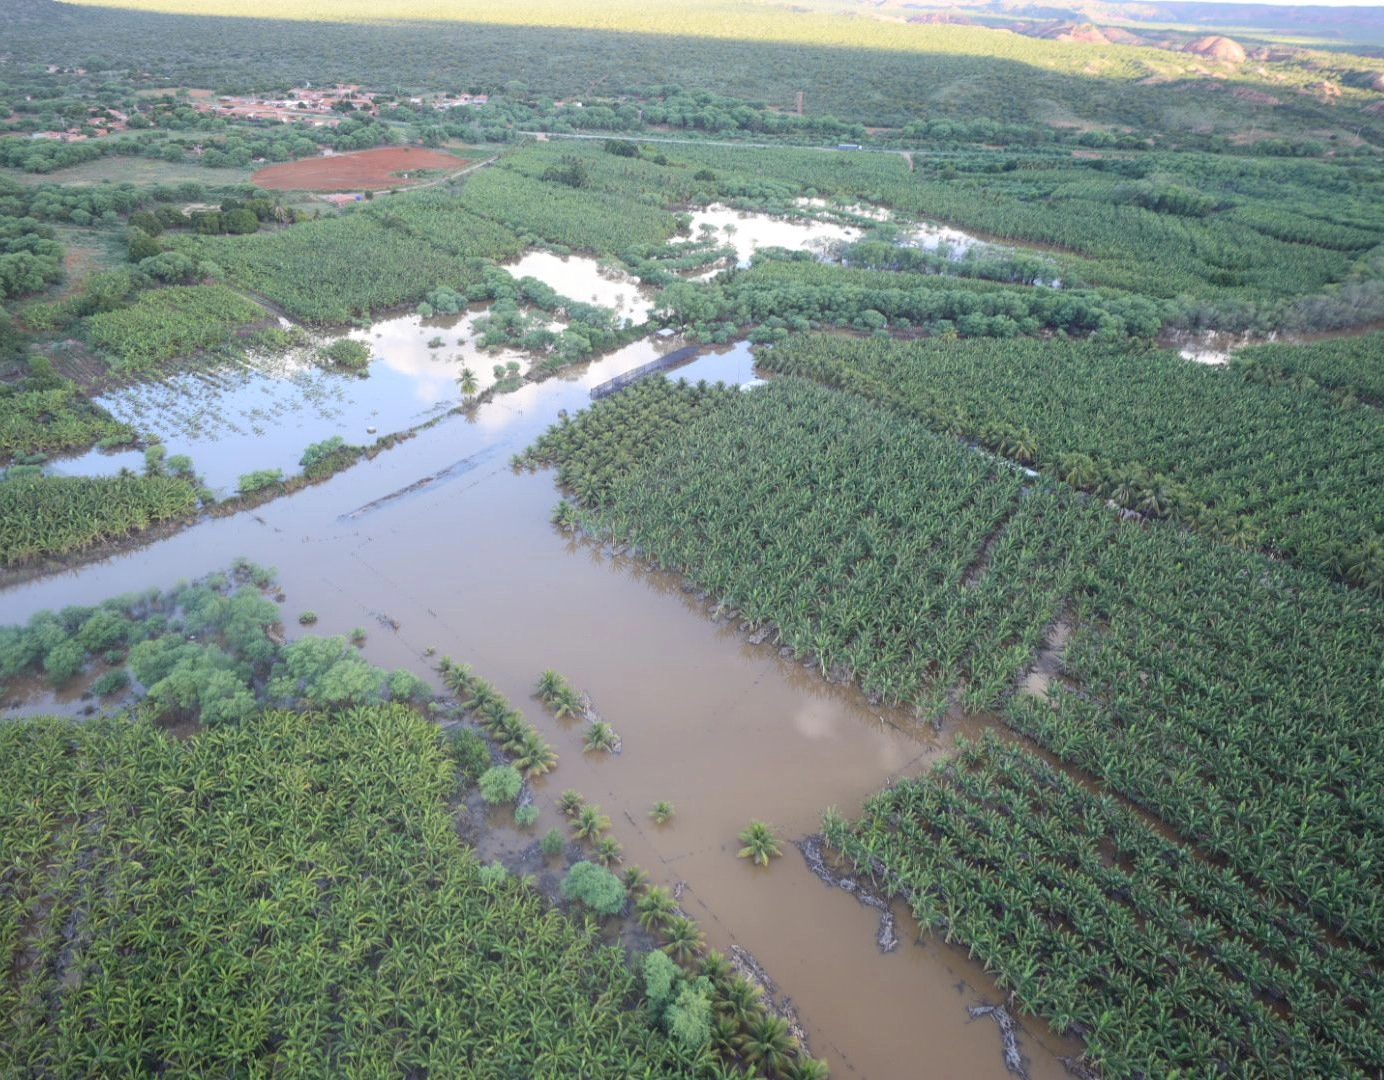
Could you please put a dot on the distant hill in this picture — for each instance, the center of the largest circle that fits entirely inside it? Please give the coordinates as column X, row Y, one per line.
column 1347, row 25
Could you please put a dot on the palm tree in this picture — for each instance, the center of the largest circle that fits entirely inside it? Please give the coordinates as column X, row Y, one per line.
column 467, row 383
column 716, row 967
column 760, row 843
column 740, row 1000
column 655, row 908
column 590, row 823
column 767, row 1044
column 564, row 516
column 566, row 703
column 682, row 938
column 549, row 683
column 806, row 1068
column 600, row 736
column 608, row 850
column 570, row 801
column 634, row 878
column 661, row 812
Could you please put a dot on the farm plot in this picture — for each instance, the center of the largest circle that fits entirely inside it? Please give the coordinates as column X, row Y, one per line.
column 339, row 268
column 1163, row 962
column 299, row 911
column 1228, row 694
column 882, row 552
column 360, row 170
column 1260, row 465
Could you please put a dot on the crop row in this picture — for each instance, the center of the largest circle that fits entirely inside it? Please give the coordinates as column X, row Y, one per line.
column 565, row 210
column 48, row 415
column 880, row 551
column 796, row 294
column 339, row 268
column 1238, row 699
column 286, row 895
column 54, row 515
column 1163, row 962
column 1352, row 365
column 1294, row 473
column 166, row 323
column 1233, row 696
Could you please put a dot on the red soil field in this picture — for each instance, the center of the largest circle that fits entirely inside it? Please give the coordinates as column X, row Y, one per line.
column 355, row 171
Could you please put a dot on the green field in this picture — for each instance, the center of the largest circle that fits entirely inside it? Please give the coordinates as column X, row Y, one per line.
column 307, row 910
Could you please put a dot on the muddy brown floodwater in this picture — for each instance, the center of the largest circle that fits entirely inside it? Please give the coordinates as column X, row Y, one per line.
column 467, row 563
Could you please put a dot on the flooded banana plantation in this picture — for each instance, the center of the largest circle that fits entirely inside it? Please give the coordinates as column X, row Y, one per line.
column 439, row 547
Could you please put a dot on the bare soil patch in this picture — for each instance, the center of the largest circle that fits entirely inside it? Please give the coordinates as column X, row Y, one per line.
column 386, row 167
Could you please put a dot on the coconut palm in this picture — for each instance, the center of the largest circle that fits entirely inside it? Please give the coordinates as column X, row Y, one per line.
column 467, row 383
column 634, row 879
column 760, row 843
column 570, row 801
column 655, row 908
column 600, row 736
column 682, row 938
column 767, row 1043
column 590, row 823
column 661, row 811
column 564, row 516
column 740, row 1000
column 608, row 851
column 549, row 683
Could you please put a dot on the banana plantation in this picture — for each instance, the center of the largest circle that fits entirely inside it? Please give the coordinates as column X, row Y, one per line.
column 1232, row 697
column 1162, row 961
column 287, row 896
column 1288, row 469
column 55, row 515
column 1085, row 638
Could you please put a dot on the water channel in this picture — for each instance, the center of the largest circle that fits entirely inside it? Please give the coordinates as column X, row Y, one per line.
column 439, row 545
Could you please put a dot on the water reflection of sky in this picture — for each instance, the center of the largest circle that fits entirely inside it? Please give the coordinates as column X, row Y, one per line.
column 264, row 412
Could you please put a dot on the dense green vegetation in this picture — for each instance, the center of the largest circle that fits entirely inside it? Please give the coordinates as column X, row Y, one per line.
column 340, row 268
column 288, row 895
column 1347, row 366
column 559, row 211
column 862, row 69
column 1264, row 465
column 775, row 296
column 1162, row 961
column 43, row 413
column 877, row 549
column 56, row 515
column 1233, row 696
column 1238, row 700
column 166, row 323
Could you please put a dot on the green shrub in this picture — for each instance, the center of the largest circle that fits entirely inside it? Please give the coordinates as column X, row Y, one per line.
column 471, row 751
column 595, row 887
column 259, row 480
column 111, row 682
column 553, row 843
column 406, row 686
column 526, row 816
column 492, row 873
column 307, row 618
column 319, row 452
column 347, row 353
column 500, row 784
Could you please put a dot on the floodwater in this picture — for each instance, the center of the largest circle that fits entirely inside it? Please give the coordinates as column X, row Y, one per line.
column 466, row 563
column 828, row 229
column 580, row 277
column 748, row 232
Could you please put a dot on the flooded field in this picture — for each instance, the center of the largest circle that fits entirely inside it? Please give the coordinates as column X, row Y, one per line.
column 747, row 232
column 465, row 562
column 579, row 277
